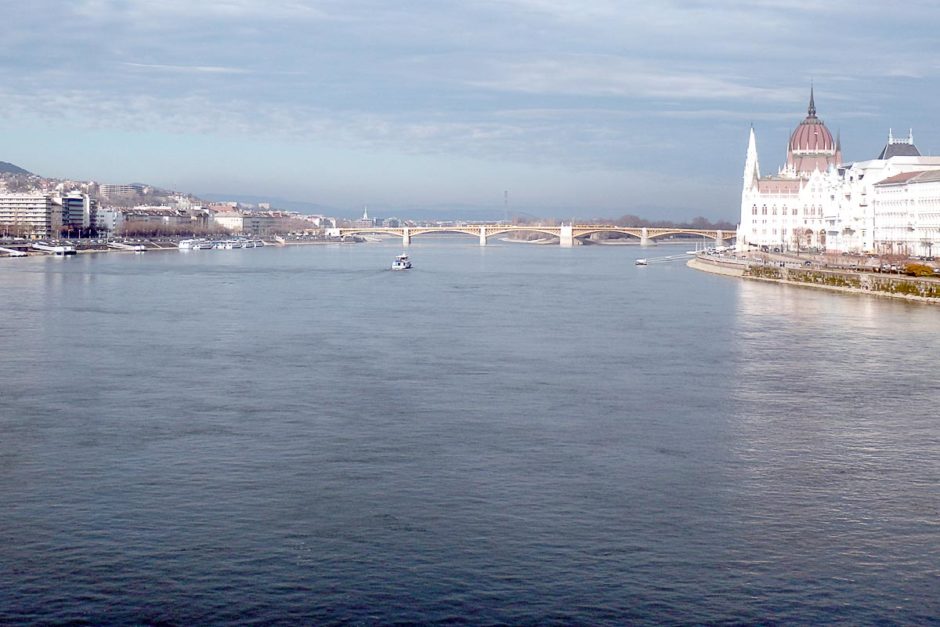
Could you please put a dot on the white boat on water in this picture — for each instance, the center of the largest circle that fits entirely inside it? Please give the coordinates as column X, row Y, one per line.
column 401, row 262
column 228, row 244
column 641, row 262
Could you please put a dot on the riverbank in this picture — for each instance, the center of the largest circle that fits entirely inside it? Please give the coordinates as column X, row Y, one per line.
column 83, row 247
column 914, row 289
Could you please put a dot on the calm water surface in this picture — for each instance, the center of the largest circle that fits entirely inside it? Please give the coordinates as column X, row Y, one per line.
column 513, row 434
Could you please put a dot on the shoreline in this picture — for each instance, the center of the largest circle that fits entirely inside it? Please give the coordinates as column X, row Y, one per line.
column 869, row 286
column 36, row 254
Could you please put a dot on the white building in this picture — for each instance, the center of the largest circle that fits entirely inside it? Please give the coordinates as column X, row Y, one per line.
column 110, row 219
column 34, row 216
column 231, row 220
column 785, row 210
column 817, row 201
column 907, row 214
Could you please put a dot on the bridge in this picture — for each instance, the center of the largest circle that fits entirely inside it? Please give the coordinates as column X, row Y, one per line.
column 566, row 233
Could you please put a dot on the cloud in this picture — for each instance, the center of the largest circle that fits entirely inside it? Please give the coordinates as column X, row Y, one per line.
column 189, row 9
column 197, row 69
column 597, row 75
column 592, row 84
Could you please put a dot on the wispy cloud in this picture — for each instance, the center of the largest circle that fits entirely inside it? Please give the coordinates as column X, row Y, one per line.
column 188, row 9
column 604, row 75
column 193, row 69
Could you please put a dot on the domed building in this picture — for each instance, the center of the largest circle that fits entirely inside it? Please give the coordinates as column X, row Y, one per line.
column 811, row 145
column 890, row 204
column 785, row 210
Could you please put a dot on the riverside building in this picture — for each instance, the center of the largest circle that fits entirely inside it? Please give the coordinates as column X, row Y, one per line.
column 78, row 210
column 889, row 204
column 34, row 216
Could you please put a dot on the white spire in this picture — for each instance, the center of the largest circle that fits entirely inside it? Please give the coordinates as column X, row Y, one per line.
column 890, row 137
column 910, row 136
column 365, row 212
column 751, row 166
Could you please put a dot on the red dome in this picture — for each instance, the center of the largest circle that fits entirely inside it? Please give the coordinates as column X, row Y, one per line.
column 812, row 136
column 811, row 147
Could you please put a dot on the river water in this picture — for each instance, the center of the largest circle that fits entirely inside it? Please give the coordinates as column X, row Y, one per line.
column 509, row 434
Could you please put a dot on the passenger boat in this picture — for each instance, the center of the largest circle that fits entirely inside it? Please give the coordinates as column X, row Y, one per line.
column 641, row 262
column 401, row 262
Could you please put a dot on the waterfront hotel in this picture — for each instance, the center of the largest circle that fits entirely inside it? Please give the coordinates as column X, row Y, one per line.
column 886, row 205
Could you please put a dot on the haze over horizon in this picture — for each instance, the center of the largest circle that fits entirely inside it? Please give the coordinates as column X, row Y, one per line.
column 594, row 109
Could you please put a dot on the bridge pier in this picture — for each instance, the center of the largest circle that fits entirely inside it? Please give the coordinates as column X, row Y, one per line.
column 405, row 237
column 482, row 236
column 719, row 239
column 644, row 237
column 566, row 236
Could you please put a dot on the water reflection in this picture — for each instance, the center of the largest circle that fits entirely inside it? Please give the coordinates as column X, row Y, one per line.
column 834, row 439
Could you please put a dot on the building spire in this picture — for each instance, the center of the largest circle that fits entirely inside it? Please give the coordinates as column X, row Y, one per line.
column 751, row 165
column 812, row 102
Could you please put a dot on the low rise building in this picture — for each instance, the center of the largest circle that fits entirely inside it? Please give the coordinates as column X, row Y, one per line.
column 268, row 222
column 229, row 219
column 108, row 190
column 109, row 219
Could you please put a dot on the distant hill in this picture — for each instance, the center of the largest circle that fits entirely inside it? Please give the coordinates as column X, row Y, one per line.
column 9, row 168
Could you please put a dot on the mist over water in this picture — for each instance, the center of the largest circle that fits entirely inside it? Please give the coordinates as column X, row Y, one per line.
column 516, row 433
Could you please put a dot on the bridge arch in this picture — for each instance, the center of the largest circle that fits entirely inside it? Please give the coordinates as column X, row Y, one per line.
column 550, row 231
column 587, row 232
column 414, row 231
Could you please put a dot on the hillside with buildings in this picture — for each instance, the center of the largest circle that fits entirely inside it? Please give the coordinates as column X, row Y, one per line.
column 36, row 207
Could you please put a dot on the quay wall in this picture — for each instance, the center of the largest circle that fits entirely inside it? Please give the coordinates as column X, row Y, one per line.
column 708, row 265
column 924, row 290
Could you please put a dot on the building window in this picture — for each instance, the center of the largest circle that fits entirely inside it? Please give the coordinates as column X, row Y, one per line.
column 754, row 210
column 763, row 210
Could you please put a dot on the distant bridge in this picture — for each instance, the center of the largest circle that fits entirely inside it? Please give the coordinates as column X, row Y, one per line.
column 566, row 233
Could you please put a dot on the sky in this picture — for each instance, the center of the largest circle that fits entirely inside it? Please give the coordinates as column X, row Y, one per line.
column 552, row 108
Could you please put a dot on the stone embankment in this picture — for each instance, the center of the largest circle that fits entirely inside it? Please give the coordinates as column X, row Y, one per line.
column 924, row 290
